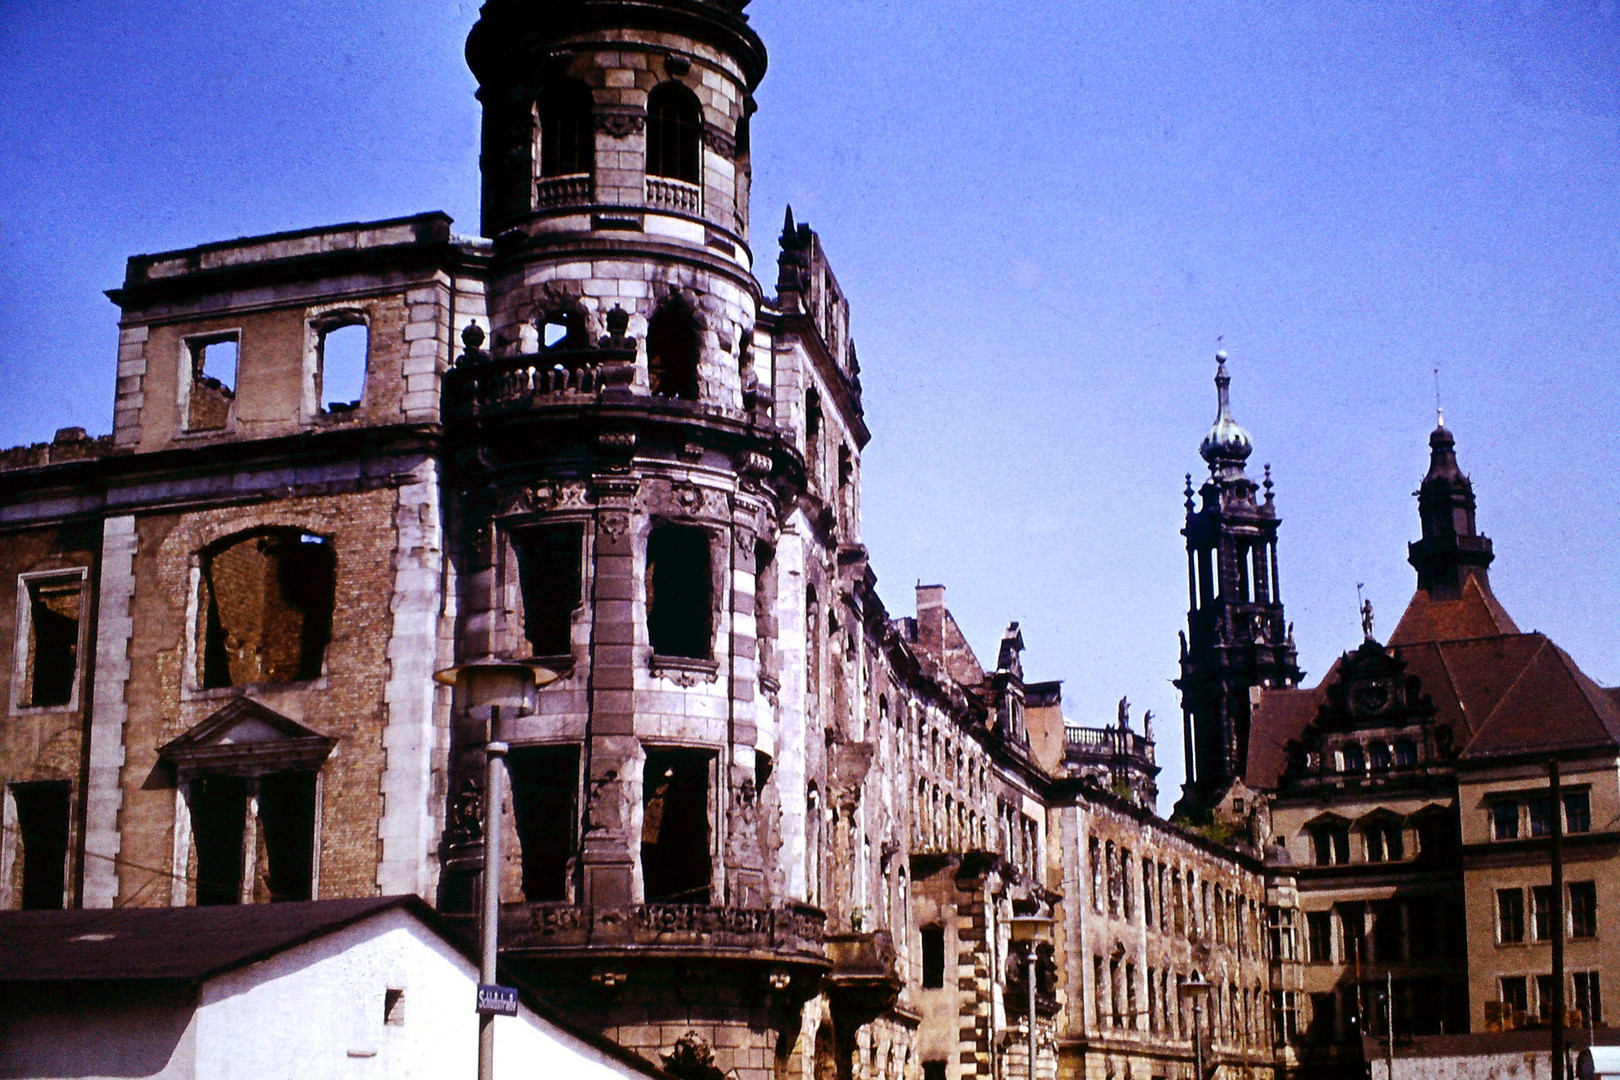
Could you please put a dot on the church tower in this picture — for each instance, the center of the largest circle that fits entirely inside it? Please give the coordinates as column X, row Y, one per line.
column 1237, row 636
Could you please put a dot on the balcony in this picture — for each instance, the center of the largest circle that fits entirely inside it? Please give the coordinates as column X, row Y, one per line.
column 486, row 386
column 864, row 981
column 1105, row 744
column 790, row 934
column 551, row 192
column 664, row 193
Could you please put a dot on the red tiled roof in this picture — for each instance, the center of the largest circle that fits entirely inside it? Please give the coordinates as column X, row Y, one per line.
column 1502, row 692
column 1475, row 614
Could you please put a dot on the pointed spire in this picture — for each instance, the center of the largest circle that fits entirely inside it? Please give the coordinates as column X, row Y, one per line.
column 788, row 228
column 1227, row 446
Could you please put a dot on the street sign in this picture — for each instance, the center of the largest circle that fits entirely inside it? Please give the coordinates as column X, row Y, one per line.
column 497, row 1000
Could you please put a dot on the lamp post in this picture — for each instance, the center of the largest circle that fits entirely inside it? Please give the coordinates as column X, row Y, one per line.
column 493, row 684
column 1035, row 931
column 1197, row 990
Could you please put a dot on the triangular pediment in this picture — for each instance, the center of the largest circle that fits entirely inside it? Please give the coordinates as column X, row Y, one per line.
column 247, row 738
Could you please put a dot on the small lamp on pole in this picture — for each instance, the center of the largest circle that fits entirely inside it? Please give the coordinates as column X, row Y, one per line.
column 1035, row 931
column 496, row 685
column 1197, row 990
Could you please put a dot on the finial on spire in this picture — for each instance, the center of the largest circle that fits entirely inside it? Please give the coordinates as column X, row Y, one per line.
column 1189, row 493
column 1227, row 444
column 1439, row 412
column 788, row 227
column 1268, row 485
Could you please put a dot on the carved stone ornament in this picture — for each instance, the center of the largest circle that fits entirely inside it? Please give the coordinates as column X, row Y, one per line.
column 755, row 463
column 686, row 496
column 621, row 123
column 610, row 978
column 719, row 141
column 745, row 542
column 692, row 452
column 685, row 672
column 616, row 440
column 615, row 525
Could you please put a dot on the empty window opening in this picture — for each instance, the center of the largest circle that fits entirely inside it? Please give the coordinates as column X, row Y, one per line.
column 286, row 869
column 674, row 133
column 342, row 350
column 675, row 861
column 933, row 957
column 680, row 589
column 549, row 573
column 765, row 622
column 268, row 598
column 393, row 1007
column 544, row 782
column 567, row 132
column 52, row 663
column 42, row 842
column 672, row 352
column 213, row 382
column 218, row 818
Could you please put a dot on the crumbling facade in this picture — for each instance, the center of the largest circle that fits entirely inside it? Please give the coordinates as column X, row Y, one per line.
column 759, row 823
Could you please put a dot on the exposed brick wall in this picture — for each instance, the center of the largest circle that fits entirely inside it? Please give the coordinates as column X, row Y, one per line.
column 164, row 699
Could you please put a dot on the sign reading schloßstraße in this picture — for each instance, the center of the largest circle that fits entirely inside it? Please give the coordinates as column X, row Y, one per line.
column 497, row 1000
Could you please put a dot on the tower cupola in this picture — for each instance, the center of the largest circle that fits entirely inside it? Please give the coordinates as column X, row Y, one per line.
column 1452, row 547
column 1227, row 446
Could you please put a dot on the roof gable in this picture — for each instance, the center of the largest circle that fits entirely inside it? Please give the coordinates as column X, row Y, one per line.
column 1549, row 705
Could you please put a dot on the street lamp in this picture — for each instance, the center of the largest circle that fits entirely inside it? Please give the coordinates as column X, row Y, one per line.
column 1035, row 931
column 493, row 684
column 1197, row 990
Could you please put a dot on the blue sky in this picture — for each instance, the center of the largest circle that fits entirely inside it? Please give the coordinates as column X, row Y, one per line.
column 1044, row 214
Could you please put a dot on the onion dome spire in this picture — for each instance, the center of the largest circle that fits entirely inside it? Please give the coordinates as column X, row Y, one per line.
column 1227, row 446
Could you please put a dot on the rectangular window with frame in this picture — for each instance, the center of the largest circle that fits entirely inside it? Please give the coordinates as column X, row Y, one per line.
column 1577, row 812
column 676, row 864
column 1583, row 909
column 1515, row 993
column 550, row 559
column 1589, row 997
column 1319, row 927
column 211, row 394
column 1505, row 820
column 1541, row 816
column 544, row 783
column 680, row 592
column 1509, row 916
column 50, row 631
column 1541, row 897
column 1544, row 998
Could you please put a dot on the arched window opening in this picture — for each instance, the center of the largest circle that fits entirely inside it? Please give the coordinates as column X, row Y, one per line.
column 268, row 602
column 680, row 592
column 1405, row 753
column 567, row 132
column 673, row 347
column 341, row 349
column 674, row 134
column 1354, row 760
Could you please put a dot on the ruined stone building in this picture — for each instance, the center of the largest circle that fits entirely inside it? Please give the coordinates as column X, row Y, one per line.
column 760, row 824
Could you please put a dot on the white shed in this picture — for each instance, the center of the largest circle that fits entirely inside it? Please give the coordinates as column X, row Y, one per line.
column 351, row 989
column 1598, row 1062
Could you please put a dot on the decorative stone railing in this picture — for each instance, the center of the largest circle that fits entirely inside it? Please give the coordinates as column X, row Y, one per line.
column 553, row 191
column 510, row 384
column 668, row 194
column 681, row 929
column 1106, row 742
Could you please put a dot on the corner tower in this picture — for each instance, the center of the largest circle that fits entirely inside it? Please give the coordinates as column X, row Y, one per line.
column 619, row 479
column 1237, row 637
